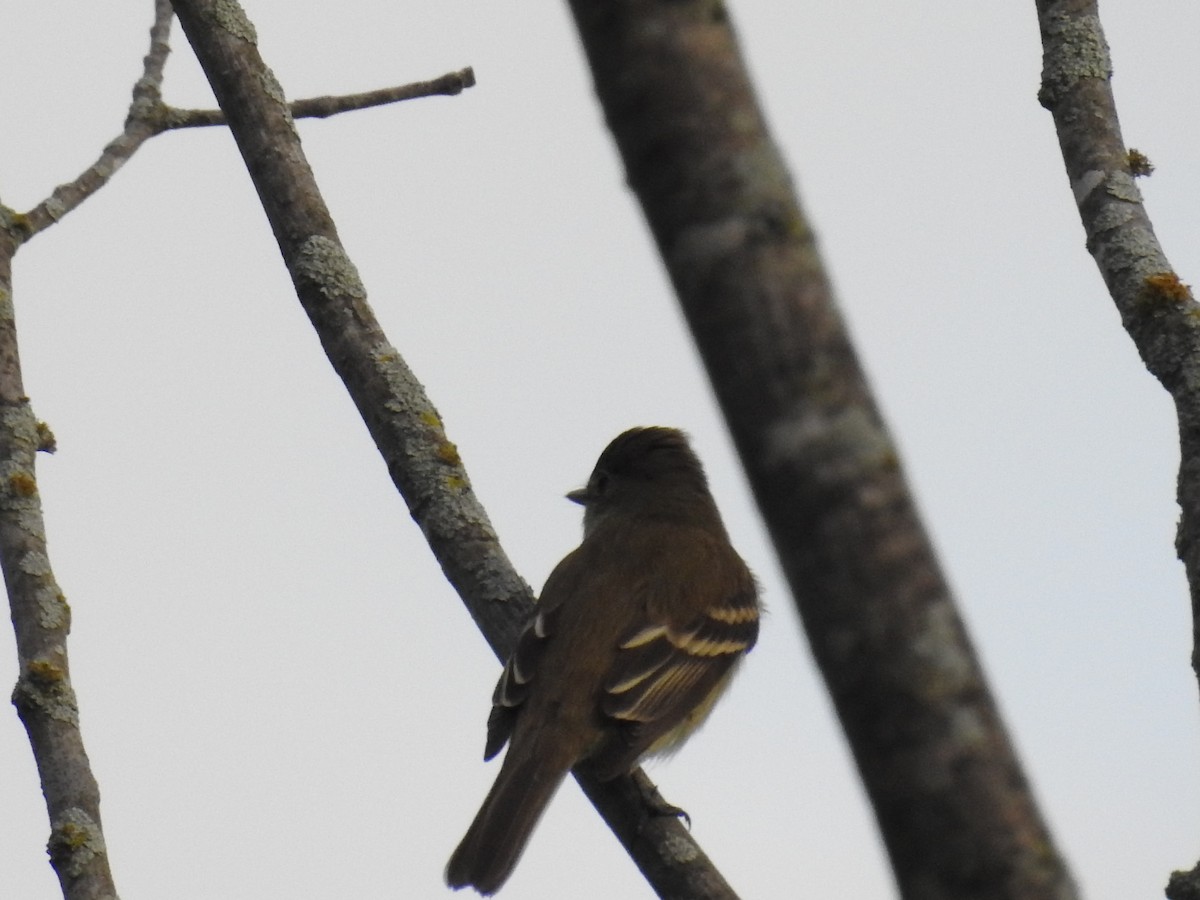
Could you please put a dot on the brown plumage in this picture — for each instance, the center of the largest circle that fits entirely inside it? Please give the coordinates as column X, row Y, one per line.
column 636, row 634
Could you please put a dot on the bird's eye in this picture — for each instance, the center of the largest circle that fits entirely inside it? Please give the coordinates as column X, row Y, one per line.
column 599, row 484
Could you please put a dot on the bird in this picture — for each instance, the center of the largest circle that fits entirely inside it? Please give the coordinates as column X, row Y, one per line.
column 634, row 638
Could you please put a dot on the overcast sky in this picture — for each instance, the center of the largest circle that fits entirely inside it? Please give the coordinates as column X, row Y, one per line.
column 282, row 697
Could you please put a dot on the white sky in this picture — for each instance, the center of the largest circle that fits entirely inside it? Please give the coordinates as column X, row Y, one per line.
column 280, row 694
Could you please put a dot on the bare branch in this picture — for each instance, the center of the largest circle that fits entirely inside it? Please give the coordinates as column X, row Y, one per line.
column 1157, row 308
column 676, row 870
column 44, row 697
column 149, row 115
column 140, row 125
column 424, row 465
column 447, row 85
column 149, row 87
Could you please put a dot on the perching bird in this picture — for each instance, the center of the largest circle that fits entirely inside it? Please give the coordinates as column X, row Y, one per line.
column 636, row 634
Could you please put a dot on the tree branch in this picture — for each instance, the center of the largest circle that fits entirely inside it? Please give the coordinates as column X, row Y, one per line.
column 1157, row 308
column 424, row 465
column 322, row 107
column 953, row 805
column 677, row 870
column 149, row 115
column 140, row 125
column 44, row 697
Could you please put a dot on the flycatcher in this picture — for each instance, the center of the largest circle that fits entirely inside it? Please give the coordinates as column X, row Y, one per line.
column 636, row 634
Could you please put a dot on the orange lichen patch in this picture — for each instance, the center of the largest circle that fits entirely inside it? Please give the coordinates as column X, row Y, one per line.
column 22, row 484
column 448, row 453
column 1139, row 163
column 44, row 672
column 1168, row 286
column 47, row 443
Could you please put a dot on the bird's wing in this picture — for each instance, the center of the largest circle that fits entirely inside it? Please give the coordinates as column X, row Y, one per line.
column 665, row 679
column 513, row 686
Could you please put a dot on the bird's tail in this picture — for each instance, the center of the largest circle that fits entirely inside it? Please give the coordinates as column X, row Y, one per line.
column 496, row 839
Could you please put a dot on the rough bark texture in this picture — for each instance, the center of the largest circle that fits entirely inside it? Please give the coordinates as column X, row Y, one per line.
column 1157, row 308
column 677, row 869
column 954, row 808
column 43, row 695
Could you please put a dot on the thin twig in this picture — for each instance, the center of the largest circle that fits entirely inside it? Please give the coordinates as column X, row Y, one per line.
column 140, row 125
column 149, row 116
column 447, row 85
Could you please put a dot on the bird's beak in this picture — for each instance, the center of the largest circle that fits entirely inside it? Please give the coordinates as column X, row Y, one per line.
column 579, row 496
